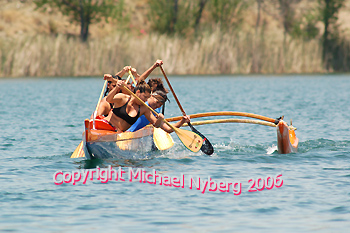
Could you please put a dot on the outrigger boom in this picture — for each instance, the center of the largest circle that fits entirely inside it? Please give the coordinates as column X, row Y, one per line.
column 287, row 142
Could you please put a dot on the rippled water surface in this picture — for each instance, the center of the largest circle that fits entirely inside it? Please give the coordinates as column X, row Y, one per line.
column 41, row 121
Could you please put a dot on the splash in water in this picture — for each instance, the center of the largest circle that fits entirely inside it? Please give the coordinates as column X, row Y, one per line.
column 271, row 149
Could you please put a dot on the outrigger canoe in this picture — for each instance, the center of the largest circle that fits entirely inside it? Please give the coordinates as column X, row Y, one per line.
column 105, row 143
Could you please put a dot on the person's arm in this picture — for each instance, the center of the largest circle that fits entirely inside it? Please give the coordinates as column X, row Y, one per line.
column 116, row 89
column 184, row 119
column 136, row 75
column 103, row 108
column 110, row 78
column 149, row 71
column 123, row 71
column 166, row 128
column 159, row 123
column 120, row 74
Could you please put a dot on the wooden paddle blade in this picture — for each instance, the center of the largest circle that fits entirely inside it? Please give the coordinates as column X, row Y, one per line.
column 191, row 140
column 206, row 148
column 162, row 139
column 79, row 152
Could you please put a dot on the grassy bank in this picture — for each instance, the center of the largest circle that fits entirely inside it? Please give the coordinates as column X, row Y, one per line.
column 34, row 43
column 215, row 53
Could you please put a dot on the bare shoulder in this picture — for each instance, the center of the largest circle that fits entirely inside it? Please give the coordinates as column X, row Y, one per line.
column 104, row 99
column 120, row 97
column 144, row 109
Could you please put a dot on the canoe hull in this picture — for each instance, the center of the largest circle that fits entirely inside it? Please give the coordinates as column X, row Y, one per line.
column 128, row 149
column 287, row 142
column 103, row 144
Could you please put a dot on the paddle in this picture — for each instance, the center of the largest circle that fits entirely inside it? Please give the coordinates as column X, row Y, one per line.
column 191, row 140
column 207, row 148
column 79, row 152
column 127, row 80
column 162, row 140
column 132, row 77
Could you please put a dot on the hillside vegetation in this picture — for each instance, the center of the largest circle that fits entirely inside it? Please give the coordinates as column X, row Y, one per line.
column 37, row 43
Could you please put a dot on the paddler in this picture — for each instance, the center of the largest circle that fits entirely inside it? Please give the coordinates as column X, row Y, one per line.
column 127, row 109
column 104, row 107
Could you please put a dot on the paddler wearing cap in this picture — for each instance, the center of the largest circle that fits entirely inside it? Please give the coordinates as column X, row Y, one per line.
column 156, row 101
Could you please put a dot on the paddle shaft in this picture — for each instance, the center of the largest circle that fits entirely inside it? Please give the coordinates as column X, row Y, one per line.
column 132, row 77
column 172, row 90
column 77, row 152
column 99, row 100
column 127, row 80
column 207, row 148
column 98, row 104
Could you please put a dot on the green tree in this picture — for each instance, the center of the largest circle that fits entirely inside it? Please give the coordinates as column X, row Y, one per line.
column 304, row 26
column 284, row 11
column 173, row 16
column 228, row 13
column 198, row 13
column 84, row 12
column 287, row 11
column 163, row 15
column 329, row 15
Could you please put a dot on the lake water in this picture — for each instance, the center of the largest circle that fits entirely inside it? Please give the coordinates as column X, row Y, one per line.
column 41, row 122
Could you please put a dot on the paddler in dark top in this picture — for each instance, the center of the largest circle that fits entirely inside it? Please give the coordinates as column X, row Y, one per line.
column 127, row 109
column 104, row 107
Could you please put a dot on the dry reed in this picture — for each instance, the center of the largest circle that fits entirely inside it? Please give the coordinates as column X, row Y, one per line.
column 215, row 53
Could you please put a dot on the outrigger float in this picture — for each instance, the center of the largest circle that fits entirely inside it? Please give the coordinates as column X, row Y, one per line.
column 104, row 143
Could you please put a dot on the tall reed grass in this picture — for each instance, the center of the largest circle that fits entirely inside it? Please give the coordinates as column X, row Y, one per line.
column 214, row 53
